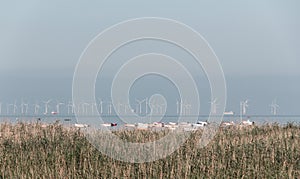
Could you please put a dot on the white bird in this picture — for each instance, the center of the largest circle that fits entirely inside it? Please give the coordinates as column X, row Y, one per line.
column 106, row 125
column 247, row 123
column 81, row 125
column 129, row 125
column 228, row 123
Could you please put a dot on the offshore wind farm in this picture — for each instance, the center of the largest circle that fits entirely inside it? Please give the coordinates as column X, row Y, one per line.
column 149, row 89
column 52, row 110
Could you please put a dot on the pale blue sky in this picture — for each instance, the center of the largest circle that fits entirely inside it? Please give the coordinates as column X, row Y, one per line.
column 40, row 42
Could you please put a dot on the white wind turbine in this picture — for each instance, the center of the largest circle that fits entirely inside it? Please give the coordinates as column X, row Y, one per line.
column 101, row 105
column 58, row 104
column 186, row 108
column 85, row 108
column 0, row 108
column 127, row 108
column 214, row 106
column 178, row 107
column 243, row 108
column 26, row 108
column 109, row 108
column 139, row 106
column 160, row 108
column 22, row 106
column 70, row 107
column 155, row 108
column 7, row 108
column 119, row 107
column 47, row 105
column 140, row 102
column 93, row 106
column 79, row 108
column 15, row 107
column 146, row 105
column 36, row 108
column 274, row 107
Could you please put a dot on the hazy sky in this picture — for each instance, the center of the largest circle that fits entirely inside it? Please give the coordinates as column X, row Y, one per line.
column 41, row 42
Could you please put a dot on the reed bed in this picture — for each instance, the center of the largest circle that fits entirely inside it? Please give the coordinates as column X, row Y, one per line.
column 53, row 151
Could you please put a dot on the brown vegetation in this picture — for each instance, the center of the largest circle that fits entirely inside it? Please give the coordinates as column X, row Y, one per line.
column 36, row 151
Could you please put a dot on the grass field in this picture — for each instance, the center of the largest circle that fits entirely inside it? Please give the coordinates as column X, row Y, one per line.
column 35, row 151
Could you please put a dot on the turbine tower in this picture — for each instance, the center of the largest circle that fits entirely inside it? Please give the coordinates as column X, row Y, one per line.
column 70, row 108
column 101, row 105
column 93, row 107
column 109, row 108
column 140, row 104
column 214, row 106
column 243, row 108
column 274, row 107
column 47, row 105
column 15, row 107
column 178, row 105
column 36, row 108
column 85, row 107
column 7, row 108
column 58, row 107
column 24, row 107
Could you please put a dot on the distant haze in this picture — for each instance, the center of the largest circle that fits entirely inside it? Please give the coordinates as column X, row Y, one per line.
column 256, row 42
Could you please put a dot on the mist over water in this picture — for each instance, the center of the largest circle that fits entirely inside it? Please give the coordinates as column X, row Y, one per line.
column 256, row 43
column 260, row 90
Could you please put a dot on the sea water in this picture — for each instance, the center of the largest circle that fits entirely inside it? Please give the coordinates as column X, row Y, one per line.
column 72, row 119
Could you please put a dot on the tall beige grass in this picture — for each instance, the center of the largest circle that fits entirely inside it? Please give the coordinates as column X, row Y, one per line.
column 37, row 151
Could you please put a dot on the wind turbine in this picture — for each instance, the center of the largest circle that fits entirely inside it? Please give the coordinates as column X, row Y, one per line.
column 109, row 108
column 0, row 108
column 274, row 107
column 188, row 108
column 85, row 108
column 160, row 108
column 70, row 107
column 178, row 107
column 126, row 108
column 94, row 106
column 47, row 105
column 214, row 106
column 101, row 105
column 26, row 108
column 119, row 107
column 22, row 106
column 243, row 108
column 7, row 108
column 58, row 107
column 36, row 108
column 15, row 107
column 184, row 107
column 140, row 104
column 146, row 105
column 155, row 108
